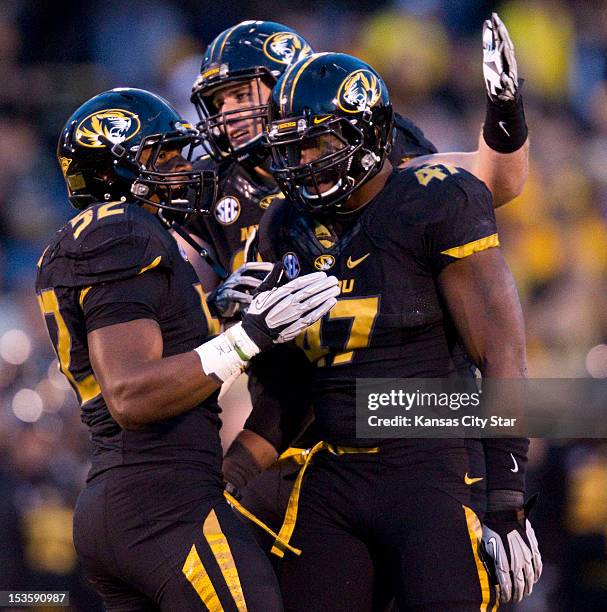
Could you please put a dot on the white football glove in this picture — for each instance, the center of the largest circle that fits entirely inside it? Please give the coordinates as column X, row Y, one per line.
column 512, row 550
column 499, row 62
column 276, row 314
column 280, row 313
column 236, row 292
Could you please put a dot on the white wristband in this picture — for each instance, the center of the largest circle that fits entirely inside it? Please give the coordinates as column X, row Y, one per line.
column 227, row 354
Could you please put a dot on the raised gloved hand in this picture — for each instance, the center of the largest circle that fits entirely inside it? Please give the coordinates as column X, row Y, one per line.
column 499, row 62
column 512, row 551
column 235, row 293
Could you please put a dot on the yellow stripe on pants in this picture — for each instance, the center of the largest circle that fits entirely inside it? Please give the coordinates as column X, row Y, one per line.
column 475, row 532
column 197, row 576
column 223, row 555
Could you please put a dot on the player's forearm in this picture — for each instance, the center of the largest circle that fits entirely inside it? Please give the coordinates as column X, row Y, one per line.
column 504, row 357
column 158, row 390
column 506, row 360
column 504, row 174
column 138, row 384
column 248, row 455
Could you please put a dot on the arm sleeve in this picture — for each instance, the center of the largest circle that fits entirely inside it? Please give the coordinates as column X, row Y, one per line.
column 139, row 297
column 279, row 384
column 464, row 223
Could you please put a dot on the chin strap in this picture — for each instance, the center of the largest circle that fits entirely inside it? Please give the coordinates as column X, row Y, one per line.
column 204, row 253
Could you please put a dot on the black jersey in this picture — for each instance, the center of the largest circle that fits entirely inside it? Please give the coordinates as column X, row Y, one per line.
column 409, row 141
column 235, row 215
column 243, row 199
column 110, row 264
column 389, row 320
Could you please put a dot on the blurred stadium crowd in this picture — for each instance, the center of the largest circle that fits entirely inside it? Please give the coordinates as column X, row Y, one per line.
column 54, row 55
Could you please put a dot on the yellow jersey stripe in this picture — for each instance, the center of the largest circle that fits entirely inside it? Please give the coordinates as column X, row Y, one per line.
column 197, row 576
column 88, row 388
column 213, row 324
column 223, row 555
column 475, row 533
column 459, row 252
column 83, row 294
column 155, row 263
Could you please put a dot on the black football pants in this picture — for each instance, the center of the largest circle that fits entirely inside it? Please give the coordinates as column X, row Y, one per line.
column 161, row 540
column 400, row 523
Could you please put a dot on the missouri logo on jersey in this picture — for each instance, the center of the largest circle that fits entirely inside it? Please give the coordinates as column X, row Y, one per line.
column 291, row 265
column 324, row 262
column 113, row 124
column 227, row 210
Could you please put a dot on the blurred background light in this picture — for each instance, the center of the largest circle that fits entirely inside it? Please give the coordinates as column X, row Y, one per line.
column 27, row 405
column 15, row 346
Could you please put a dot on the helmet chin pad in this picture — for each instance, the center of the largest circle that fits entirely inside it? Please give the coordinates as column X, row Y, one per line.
column 310, row 196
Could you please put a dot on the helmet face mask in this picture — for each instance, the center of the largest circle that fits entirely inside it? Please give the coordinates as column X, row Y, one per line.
column 312, row 165
column 248, row 107
column 329, row 130
column 167, row 184
column 254, row 53
column 110, row 150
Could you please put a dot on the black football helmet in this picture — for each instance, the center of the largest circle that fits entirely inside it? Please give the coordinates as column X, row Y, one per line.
column 330, row 129
column 256, row 51
column 101, row 149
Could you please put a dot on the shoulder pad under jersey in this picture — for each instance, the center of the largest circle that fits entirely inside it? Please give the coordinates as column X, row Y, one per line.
column 409, row 141
column 106, row 242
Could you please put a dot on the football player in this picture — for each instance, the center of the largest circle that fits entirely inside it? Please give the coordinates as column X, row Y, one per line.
column 418, row 260
column 238, row 70
column 133, row 336
column 240, row 67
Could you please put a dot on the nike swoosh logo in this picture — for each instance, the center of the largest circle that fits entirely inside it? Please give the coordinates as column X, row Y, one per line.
column 471, row 481
column 493, row 542
column 260, row 301
column 352, row 263
column 318, row 120
column 514, row 470
column 502, row 124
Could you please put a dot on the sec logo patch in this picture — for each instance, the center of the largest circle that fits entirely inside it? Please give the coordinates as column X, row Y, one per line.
column 227, row 210
column 324, row 262
column 291, row 265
